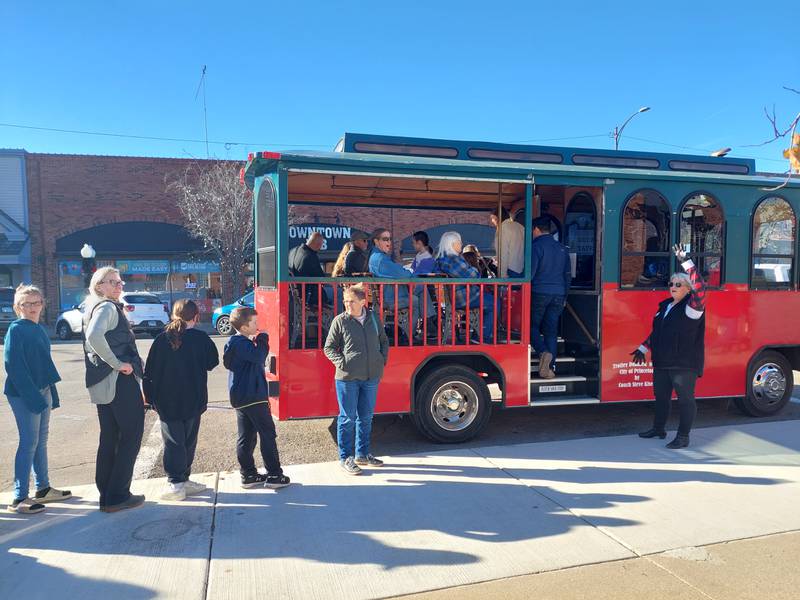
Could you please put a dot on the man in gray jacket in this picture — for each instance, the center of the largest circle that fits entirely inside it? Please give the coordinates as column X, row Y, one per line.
column 357, row 345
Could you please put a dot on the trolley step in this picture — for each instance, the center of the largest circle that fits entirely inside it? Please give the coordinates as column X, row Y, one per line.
column 564, row 401
column 562, row 385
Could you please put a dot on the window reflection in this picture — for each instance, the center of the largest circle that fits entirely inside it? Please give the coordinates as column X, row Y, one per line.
column 645, row 241
column 774, row 229
column 702, row 234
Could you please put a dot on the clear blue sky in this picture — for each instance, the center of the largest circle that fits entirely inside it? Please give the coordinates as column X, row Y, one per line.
column 299, row 74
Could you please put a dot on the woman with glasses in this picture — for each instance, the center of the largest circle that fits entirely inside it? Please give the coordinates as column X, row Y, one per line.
column 30, row 387
column 677, row 343
column 113, row 377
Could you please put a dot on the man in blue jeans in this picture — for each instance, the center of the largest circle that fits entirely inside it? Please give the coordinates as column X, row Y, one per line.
column 551, row 277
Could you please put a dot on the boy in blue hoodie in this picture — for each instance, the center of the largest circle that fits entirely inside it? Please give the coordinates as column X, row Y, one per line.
column 244, row 356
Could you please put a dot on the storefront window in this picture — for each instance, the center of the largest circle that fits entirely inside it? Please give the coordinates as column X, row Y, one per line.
column 145, row 276
column 199, row 281
column 72, row 291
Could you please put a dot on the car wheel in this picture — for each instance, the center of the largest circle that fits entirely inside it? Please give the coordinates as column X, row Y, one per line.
column 770, row 382
column 453, row 404
column 63, row 331
column 224, row 325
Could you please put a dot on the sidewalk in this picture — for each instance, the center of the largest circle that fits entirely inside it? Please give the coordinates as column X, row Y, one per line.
column 526, row 518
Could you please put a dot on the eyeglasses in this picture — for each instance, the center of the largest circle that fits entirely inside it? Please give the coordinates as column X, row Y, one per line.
column 114, row 282
column 385, row 239
column 32, row 304
column 676, row 284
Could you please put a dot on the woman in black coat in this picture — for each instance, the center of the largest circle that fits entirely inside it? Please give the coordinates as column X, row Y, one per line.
column 677, row 343
column 176, row 386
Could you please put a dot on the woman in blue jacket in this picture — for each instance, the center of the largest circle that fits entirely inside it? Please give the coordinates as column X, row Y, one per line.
column 30, row 387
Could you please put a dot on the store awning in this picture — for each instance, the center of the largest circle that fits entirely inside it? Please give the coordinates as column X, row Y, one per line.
column 131, row 238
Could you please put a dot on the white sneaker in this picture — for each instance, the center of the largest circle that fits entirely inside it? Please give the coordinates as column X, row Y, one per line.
column 174, row 492
column 193, row 487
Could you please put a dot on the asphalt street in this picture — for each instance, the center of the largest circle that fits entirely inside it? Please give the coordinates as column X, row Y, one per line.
column 74, row 430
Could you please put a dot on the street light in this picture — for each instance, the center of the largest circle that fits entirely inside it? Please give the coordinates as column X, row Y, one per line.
column 618, row 130
column 88, row 264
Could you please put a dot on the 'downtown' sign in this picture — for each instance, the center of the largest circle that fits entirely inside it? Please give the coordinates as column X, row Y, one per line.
column 335, row 236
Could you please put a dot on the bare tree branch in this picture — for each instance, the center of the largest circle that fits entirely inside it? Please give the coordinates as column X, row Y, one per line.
column 219, row 212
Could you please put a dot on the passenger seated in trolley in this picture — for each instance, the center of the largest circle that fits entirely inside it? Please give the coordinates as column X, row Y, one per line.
column 382, row 265
column 474, row 258
column 450, row 262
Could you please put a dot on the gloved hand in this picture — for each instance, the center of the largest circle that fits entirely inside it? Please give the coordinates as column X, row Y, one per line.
column 679, row 252
column 638, row 357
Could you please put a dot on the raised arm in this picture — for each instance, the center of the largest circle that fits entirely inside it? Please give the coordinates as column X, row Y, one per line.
column 697, row 302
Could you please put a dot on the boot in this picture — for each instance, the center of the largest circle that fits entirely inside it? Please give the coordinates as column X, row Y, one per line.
column 653, row 432
column 680, row 441
column 544, row 365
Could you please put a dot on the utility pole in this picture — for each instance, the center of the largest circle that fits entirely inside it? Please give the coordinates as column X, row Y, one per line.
column 202, row 85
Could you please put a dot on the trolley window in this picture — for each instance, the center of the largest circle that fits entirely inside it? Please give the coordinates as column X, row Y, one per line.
column 265, row 234
column 645, row 241
column 773, row 248
column 702, row 234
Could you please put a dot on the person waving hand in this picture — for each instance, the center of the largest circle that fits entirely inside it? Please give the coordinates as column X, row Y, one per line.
column 677, row 347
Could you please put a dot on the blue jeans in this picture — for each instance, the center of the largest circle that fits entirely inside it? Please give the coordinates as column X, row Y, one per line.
column 356, row 407
column 32, row 450
column 545, row 312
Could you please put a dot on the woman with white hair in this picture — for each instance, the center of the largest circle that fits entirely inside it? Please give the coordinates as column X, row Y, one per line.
column 113, row 375
column 450, row 262
column 30, row 388
column 677, row 343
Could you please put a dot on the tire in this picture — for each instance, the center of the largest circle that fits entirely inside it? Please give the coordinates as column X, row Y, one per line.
column 63, row 331
column 452, row 404
column 770, row 382
column 223, row 326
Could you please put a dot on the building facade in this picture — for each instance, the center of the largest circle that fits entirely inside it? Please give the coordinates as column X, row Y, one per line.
column 122, row 207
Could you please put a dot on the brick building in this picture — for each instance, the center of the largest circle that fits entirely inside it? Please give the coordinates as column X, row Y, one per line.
column 122, row 208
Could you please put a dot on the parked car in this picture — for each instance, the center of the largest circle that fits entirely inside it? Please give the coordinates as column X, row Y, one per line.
column 6, row 308
column 145, row 311
column 221, row 320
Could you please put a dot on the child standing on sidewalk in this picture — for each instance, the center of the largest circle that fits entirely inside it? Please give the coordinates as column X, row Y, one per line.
column 244, row 356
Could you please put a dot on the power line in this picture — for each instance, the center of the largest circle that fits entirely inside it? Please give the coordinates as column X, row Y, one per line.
column 160, row 138
column 704, row 150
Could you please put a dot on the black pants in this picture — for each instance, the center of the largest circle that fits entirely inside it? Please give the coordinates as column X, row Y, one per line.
column 180, row 443
column 682, row 381
column 121, row 429
column 253, row 421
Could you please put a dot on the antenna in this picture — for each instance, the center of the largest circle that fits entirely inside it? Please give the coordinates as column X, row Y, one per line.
column 202, row 85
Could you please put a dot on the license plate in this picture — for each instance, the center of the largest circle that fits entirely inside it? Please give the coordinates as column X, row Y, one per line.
column 552, row 388
column 152, row 323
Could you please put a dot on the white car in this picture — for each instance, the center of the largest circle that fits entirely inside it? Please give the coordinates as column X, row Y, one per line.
column 145, row 311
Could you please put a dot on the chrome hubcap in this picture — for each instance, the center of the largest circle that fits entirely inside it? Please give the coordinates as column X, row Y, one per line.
column 769, row 384
column 454, row 406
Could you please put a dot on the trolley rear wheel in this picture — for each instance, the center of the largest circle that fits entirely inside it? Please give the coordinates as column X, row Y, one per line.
column 770, row 382
column 453, row 404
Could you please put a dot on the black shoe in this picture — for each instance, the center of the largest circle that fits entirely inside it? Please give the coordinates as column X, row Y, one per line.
column 277, row 481
column 132, row 502
column 653, row 432
column 252, row 481
column 680, row 441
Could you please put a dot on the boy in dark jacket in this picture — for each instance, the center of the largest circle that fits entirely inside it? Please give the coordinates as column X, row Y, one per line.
column 244, row 356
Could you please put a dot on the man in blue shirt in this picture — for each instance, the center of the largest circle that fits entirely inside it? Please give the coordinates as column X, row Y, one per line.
column 551, row 277
column 382, row 265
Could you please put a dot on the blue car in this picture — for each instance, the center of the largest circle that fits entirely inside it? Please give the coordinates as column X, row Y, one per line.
column 221, row 318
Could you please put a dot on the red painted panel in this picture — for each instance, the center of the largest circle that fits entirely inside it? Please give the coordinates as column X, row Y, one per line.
column 738, row 323
column 306, row 376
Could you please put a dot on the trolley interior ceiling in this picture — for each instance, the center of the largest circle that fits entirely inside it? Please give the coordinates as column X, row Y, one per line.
column 402, row 192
